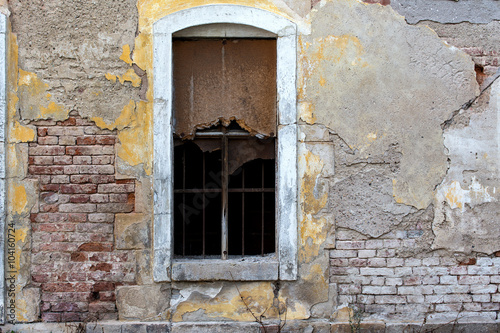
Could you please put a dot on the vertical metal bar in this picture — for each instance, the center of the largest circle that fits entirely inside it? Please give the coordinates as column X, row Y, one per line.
column 262, row 216
column 243, row 213
column 184, row 201
column 224, row 238
column 203, row 209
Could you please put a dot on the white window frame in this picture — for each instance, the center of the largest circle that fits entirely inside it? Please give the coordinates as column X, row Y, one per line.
column 283, row 265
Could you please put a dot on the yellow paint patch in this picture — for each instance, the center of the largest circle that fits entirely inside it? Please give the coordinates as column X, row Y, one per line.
column 312, row 229
column 228, row 304
column 322, row 81
column 126, row 54
column 53, row 111
column 457, row 197
column 110, row 77
column 130, row 76
column 306, row 112
column 17, row 198
column 20, row 133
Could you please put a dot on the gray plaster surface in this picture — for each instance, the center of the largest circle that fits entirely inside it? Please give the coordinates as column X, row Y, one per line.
column 446, row 11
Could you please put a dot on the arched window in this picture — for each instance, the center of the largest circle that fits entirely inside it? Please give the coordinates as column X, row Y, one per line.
column 191, row 36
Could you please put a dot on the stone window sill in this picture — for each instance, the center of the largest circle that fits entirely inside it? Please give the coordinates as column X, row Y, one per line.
column 243, row 269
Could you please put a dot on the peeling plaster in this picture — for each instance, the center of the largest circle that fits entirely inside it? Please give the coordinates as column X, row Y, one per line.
column 385, row 65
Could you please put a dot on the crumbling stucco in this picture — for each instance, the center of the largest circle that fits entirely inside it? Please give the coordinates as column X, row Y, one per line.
column 473, row 11
column 467, row 199
column 385, row 70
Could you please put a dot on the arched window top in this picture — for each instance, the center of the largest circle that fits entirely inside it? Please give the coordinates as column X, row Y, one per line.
column 221, row 13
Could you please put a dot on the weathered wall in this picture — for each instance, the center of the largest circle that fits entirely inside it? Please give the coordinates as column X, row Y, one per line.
column 398, row 164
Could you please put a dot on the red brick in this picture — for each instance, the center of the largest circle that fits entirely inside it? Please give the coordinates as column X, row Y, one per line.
column 51, row 317
column 77, row 208
column 42, row 131
column 60, row 179
column 54, row 227
column 71, row 169
column 95, row 227
column 96, row 169
column 95, row 179
column 46, row 170
column 90, row 150
column 470, row 261
column 73, row 317
column 107, row 296
column 102, row 266
column 67, row 287
column 69, row 306
column 46, row 150
column 67, row 140
column 86, row 140
column 382, row 2
column 78, row 256
column 58, row 247
column 63, row 159
column 41, row 278
column 100, row 307
column 77, row 217
column 84, row 122
column 125, row 181
column 106, row 159
column 95, row 130
column 53, row 208
column 48, row 140
column 103, row 286
column 41, row 160
column 50, row 187
column 117, row 197
column 79, row 198
column 115, row 208
column 79, row 188
column 71, row 121
column 99, row 198
column 82, row 160
column 45, row 217
column 101, row 217
column 95, row 247
column 105, row 140
column 116, row 188
column 65, row 131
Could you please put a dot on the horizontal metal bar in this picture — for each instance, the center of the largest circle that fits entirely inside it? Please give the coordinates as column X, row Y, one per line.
column 220, row 134
column 234, row 190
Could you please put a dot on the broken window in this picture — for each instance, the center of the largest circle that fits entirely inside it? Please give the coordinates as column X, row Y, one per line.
column 224, row 155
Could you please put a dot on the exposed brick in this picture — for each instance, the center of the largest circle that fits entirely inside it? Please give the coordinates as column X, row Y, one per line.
column 366, row 253
column 350, row 245
column 67, row 306
column 41, row 160
column 80, row 198
column 473, row 279
column 103, row 286
column 96, row 169
column 94, row 179
column 42, row 131
column 105, row 140
column 106, row 159
column 46, row 170
column 116, row 188
column 90, row 130
column 82, row 160
column 86, row 140
column 118, row 197
column 101, row 217
column 60, row 179
column 90, row 150
column 390, row 299
column 95, row 247
column 99, row 198
column 78, row 208
column 51, row 317
column 63, row 160
column 48, row 140
column 79, row 188
column 65, row 131
column 45, row 217
column 77, row 217
column 100, row 307
column 46, row 150
column 379, row 290
column 71, row 121
column 78, row 256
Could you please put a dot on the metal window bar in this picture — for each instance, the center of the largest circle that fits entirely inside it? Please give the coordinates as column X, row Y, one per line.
column 224, row 135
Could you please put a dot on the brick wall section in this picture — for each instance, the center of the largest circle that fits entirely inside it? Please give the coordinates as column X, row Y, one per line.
column 368, row 273
column 73, row 257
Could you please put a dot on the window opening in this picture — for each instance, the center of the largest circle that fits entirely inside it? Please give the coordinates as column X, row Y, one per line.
column 224, row 194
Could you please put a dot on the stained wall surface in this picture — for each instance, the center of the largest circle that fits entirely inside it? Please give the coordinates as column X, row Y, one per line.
column 398, row 143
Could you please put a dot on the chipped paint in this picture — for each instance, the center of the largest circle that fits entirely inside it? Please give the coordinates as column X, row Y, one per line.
column 457, row 197
column 126, row 54
column 17, row 198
